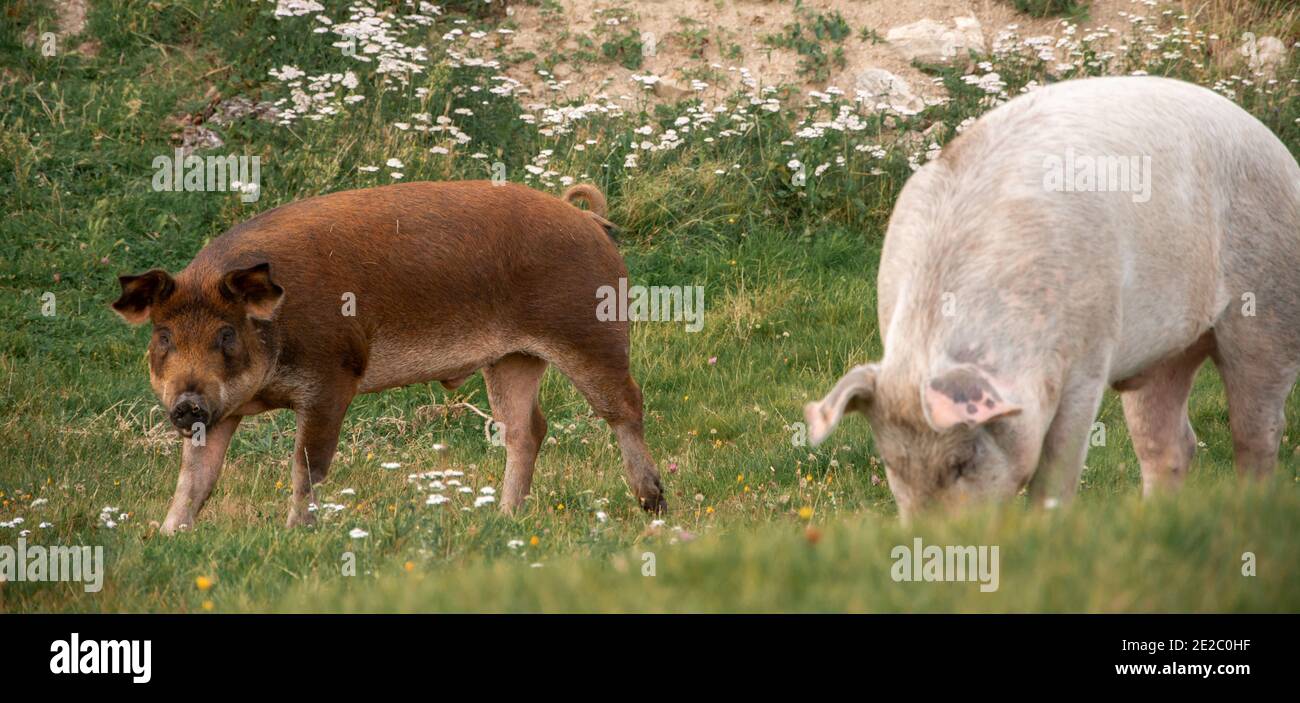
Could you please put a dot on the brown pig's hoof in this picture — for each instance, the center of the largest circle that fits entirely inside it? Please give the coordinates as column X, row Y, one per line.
column 300, row 518
column 652, row 501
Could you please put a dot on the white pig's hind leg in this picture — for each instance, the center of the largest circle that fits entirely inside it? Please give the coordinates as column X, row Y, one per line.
column 1257, row 386
column 1155, row 409
column 1066, row 444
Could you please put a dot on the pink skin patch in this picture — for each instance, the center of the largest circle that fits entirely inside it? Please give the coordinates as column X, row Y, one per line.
column 964, row 396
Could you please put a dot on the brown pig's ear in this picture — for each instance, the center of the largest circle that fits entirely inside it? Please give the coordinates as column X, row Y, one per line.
column 255, row 289
column 855, row 391
column 141, row 293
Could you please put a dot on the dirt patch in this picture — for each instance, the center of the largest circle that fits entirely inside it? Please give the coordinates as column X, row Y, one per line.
column 71, row 16
column 70, row 21
column 717, row 43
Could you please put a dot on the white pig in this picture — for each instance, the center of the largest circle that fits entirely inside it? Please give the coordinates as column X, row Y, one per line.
column 1092, row 233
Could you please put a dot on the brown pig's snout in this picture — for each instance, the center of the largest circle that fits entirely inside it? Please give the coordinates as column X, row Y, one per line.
column 189, row 409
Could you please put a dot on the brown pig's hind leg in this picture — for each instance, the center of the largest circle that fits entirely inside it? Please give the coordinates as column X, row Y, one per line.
column 315, row 442
column 608, row 386
column 512, row 384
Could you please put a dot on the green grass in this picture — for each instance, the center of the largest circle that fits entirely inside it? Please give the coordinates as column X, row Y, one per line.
column 1051, row 8
column 807, row 41
column 1122, row 555
column 756, row 523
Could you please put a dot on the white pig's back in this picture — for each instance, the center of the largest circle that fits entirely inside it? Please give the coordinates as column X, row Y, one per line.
column 1145, row 205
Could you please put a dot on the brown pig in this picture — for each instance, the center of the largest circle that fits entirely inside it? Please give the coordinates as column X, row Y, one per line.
column 309, row 304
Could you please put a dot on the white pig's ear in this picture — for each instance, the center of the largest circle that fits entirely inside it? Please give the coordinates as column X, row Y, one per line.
column 965, row 395
column 854, row 391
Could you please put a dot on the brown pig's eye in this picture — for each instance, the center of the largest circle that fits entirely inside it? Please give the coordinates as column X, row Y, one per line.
column 164, row 339
column 226, row 337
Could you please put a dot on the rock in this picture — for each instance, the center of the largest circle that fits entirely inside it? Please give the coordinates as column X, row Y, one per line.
column 1272, row 51
column 929, row 41
column 1263, row 54
column 919, row 141
column 669, row 91
column 194, row 137
column 877, row 87
column 228, row 111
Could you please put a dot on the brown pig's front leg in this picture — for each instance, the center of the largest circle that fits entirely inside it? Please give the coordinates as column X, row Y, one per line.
column 200, row 467
column 314, row 445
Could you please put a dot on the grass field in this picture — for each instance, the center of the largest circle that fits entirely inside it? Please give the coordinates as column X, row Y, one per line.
column 774, row 201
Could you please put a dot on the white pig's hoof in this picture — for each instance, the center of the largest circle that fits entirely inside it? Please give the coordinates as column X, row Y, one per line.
column 170, row 528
